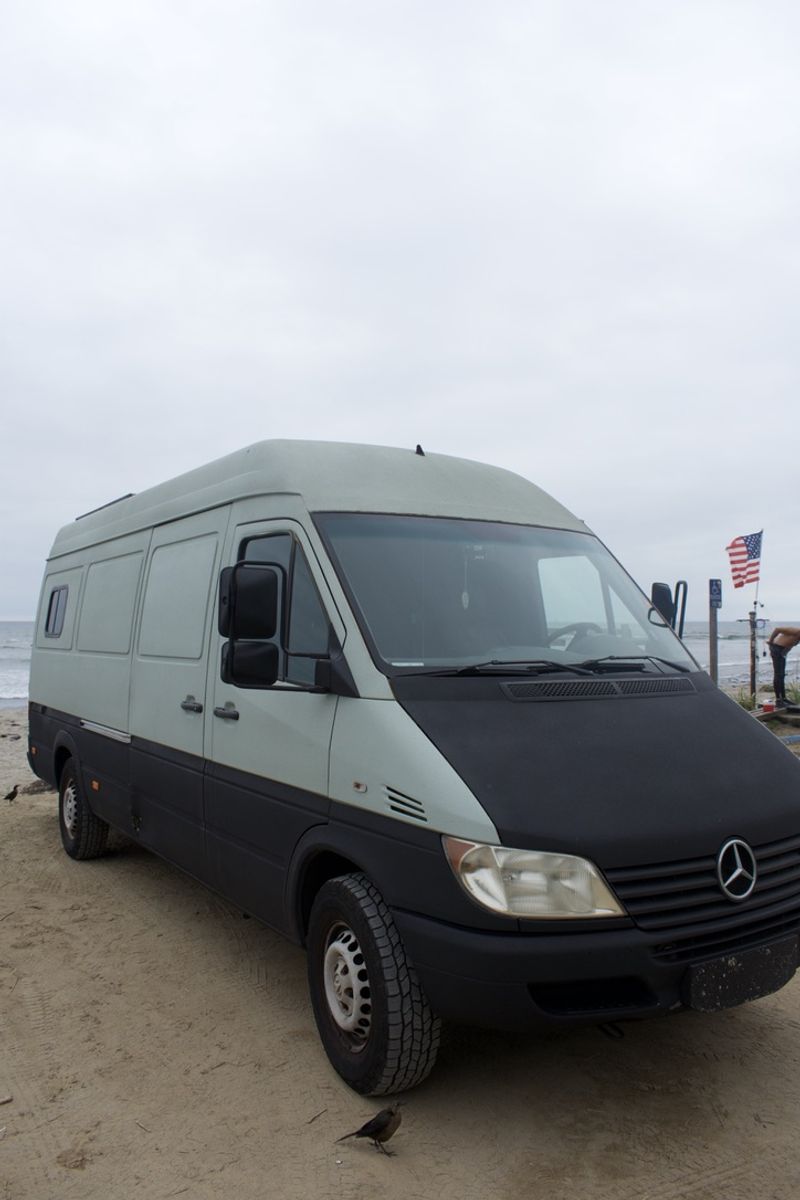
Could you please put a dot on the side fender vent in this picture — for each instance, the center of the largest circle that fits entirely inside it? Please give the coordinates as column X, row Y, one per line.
column 405, row 806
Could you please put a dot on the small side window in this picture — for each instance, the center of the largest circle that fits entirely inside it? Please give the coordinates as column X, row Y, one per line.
column 309, row 628
column 56, row 609
column 306, row 629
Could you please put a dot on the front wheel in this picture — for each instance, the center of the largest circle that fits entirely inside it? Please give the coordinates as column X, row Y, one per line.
column 82, row 833
column 373, row 1018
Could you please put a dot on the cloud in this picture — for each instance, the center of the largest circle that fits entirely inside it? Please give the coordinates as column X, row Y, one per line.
column 560, row 237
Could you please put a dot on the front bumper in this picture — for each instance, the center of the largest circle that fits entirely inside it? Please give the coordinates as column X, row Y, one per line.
column 524, row 981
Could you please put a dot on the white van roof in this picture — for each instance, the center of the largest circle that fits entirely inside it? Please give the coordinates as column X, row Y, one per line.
column 329, row 477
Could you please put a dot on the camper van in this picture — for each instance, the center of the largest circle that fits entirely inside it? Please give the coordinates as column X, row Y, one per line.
column 409, row 711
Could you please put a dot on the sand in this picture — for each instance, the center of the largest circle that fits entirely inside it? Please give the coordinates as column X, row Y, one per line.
column 156, row 1044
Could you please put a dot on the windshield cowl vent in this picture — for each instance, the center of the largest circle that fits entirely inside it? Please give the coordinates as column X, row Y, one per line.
column 596, row 689
column 405, row 806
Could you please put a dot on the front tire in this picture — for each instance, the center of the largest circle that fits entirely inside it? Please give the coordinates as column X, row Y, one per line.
column 374, row 1020
column 83, row 834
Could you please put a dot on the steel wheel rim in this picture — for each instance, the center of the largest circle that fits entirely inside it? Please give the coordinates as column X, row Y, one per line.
column 69, row 809
column 347, row 987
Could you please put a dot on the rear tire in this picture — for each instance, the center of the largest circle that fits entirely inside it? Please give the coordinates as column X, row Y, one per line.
column 374, row 1020
column 83, row 834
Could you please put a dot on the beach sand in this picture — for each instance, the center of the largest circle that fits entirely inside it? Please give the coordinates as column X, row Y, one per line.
column 155, row 1043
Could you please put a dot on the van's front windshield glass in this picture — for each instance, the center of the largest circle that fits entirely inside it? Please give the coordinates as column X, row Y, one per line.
column 437, row 594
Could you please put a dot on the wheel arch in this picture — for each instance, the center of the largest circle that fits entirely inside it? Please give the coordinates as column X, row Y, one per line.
column 404, row 863
column 64, row 748
column 322, row 854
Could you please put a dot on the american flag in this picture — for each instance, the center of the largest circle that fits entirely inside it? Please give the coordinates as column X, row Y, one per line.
column 745, row 555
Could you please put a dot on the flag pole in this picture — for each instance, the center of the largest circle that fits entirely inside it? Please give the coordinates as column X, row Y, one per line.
column 753, row 626
column 745, row 557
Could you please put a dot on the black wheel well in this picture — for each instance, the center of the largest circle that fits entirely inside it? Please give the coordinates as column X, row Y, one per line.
column 62, row 756
column 324, row 866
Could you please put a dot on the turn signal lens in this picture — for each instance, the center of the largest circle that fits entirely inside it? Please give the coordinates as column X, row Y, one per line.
column 531, row 883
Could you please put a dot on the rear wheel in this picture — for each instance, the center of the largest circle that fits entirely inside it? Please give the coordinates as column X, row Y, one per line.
column 373, row 1018
column 82, row 833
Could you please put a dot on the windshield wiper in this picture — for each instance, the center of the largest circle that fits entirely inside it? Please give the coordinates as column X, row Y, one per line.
column 636, row 662
column 512, row 666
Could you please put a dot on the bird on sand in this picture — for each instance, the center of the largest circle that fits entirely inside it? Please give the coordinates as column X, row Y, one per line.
column 12, row 795
column 379, row 1128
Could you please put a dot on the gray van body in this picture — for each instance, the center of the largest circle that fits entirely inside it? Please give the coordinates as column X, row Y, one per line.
column 265, row 794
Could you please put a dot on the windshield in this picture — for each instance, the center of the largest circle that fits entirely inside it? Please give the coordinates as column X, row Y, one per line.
column 436, row 593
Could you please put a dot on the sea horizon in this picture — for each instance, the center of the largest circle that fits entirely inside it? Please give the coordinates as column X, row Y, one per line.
column 733, row 655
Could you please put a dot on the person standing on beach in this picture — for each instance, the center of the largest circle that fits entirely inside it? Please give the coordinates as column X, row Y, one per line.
column 782, row 639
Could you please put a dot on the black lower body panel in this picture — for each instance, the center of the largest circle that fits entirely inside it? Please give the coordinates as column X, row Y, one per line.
column 519, row 982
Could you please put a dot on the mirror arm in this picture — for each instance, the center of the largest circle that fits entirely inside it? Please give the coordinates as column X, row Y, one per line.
column 342, row 682
column 333, row 675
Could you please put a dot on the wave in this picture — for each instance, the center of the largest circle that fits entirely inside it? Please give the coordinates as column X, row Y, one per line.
column 722, row 637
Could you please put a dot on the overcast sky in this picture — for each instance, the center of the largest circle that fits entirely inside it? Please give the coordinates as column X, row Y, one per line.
column 558, row 237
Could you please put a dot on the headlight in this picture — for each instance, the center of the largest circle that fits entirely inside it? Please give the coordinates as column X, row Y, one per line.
column 530, row 883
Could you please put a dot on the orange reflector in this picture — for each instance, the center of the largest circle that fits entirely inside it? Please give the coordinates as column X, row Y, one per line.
column 95, row 785
column 33, row 750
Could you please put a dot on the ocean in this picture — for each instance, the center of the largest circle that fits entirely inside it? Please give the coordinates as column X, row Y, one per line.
column 15, row 662
column 733, row 651
column 733, row 655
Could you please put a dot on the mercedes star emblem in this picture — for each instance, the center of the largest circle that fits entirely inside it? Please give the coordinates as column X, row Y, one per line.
column 736, row 869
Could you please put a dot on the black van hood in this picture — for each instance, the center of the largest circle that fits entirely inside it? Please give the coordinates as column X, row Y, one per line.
column 621, row 780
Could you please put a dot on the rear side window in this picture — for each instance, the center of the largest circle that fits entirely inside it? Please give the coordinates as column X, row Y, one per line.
column 60, row 601
column 56, row 609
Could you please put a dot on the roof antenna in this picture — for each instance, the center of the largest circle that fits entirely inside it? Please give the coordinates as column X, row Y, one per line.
column 420, row 450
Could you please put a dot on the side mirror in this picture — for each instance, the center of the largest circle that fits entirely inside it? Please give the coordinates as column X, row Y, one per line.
column 248, row 617
column 661, row 596
column 248, row 601
column 250, row 664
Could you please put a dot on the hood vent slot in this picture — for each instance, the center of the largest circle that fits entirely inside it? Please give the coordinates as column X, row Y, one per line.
column 596, row 689
column 561, row 689
column 405, row 806
column 655, row 687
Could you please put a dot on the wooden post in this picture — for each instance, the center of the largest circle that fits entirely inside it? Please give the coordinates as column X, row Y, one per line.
column 713, row 643
column 752, row 616
column 714, row 605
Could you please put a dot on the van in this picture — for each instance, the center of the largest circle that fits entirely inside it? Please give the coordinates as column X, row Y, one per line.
column 409, row 711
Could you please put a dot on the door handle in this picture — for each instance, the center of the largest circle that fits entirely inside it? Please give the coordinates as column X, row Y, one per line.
column 191, row 705
column 228, row 713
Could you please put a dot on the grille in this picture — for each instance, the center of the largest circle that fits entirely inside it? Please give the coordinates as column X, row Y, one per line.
column 595, row 689
column 682, row 903
column 406, row 806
